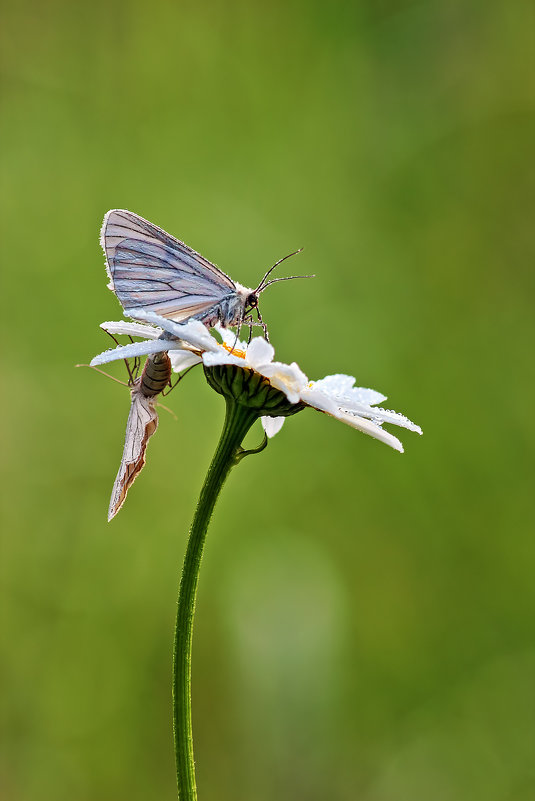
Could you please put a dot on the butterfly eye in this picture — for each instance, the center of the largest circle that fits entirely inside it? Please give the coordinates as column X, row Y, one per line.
column 252, row 300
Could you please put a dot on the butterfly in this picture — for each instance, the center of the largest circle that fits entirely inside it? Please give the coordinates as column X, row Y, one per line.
column 153, row 272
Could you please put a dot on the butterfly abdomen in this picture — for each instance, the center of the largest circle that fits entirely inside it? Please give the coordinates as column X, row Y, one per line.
column 156, row 374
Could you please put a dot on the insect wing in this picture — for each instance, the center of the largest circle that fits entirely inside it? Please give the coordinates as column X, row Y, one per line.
column 141, row 425
column 152, row 270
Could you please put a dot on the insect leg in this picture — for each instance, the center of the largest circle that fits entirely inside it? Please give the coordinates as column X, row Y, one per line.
column 178, row 380
column 132, row 374
column 241, row 322
column 137, row 361
column 262, row 323
column 250, row 322
column 117, row 381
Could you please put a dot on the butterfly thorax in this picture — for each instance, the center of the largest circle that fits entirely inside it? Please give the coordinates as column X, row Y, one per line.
column 229, row 310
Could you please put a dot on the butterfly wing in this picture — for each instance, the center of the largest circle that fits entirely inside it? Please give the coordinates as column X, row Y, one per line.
column 152, row 270
column 141, row 425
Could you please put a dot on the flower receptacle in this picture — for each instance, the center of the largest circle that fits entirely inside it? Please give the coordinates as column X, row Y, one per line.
column 248, row 388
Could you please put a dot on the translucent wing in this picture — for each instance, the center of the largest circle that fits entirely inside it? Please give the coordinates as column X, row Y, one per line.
column 149, row 269
column 141, row 425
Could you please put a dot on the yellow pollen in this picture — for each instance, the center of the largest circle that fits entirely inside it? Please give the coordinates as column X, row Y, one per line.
column 234, row 351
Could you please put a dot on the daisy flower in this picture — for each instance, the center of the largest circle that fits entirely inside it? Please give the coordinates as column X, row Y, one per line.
column 191, row 343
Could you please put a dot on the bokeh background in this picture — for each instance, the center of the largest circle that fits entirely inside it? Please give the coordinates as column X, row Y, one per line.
column 364, row 618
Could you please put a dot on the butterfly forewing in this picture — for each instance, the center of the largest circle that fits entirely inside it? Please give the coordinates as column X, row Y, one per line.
column 150, row 269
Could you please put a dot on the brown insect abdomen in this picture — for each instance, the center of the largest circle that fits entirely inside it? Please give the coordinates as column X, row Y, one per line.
column 156, row 374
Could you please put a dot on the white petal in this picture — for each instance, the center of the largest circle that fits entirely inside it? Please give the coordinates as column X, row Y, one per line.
column 341, row 387
column 291, row 371
column 336, row 384
column 349, row 404
column 367, row 427
column 285, row 382
column 376, row 414
column 379, row 416
column 193, row 331
column 197, row 334
column 366, row 396
column 182, row 359
column 260, row 352
column 129, row 351
column 299, row 377
column 229, row 338
column 289, row 378
column 210, row 358
column 319, row 400
column 272, row 425
column 132, row 329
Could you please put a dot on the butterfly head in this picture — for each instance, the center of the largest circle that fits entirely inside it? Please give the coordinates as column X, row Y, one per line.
column 252, row 300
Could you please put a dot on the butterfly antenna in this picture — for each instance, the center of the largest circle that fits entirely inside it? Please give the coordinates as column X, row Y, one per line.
column 262, row 285
column 287, row 278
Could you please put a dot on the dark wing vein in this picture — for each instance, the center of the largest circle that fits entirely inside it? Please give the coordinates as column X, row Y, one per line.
column 120, row 225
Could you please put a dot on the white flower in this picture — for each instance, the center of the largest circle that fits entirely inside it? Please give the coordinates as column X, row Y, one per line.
column 335, row 395
column 191, row 343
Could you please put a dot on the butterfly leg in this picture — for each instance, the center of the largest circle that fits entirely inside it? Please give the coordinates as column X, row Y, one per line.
column 262, row 323
column 243, row 320
column 249, row 322
column 238, row 329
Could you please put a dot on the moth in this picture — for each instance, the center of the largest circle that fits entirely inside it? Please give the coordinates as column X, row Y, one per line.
column 150, row 270
column 141, row 425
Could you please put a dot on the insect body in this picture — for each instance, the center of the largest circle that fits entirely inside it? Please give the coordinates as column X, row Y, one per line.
column 156, row 375
column 151, row 270
column 141, row 425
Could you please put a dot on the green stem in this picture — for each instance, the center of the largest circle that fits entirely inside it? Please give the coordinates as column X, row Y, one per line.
column 238, row 421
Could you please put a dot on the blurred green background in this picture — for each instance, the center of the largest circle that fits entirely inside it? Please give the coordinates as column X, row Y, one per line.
column 364, row 618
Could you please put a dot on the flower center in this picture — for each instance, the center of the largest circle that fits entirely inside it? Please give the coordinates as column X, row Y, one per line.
column 234, row 351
